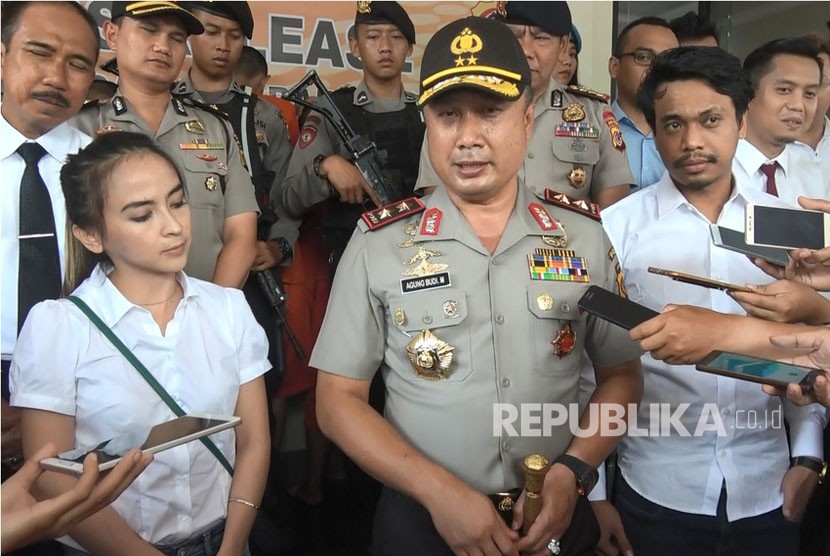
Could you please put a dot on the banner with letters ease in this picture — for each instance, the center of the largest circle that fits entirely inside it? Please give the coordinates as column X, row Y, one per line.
column 297, row 36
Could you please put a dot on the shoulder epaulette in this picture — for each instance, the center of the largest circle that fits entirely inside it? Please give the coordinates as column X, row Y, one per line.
column 380, row 217
column 344, row 90
column 92, row 102
column 590, row 93
column 583, row 207
column 188, row 101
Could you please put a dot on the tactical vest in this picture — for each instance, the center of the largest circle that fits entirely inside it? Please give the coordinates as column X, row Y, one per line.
column 398, row 137
column 262, row 178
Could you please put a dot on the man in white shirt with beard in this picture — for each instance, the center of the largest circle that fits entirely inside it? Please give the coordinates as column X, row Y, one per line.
column 722, row 491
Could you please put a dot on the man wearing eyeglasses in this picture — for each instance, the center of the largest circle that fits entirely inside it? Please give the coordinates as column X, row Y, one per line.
column 636, row 48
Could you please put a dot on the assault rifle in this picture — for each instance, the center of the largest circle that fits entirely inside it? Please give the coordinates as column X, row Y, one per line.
column 364, row 153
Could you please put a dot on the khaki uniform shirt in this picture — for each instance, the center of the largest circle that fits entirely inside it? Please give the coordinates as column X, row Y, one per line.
column 273, row 144
column 303, row 188
column 202, row 145
column 499, row 322
column 577, row 157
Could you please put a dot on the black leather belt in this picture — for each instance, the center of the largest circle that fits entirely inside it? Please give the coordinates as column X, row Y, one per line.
column 504, row 503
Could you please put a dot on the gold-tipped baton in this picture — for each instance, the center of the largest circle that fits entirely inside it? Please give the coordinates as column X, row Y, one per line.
column 536, row 467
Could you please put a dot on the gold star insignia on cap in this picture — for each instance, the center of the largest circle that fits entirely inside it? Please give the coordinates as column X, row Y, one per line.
column 466, row 43
column 364, row 7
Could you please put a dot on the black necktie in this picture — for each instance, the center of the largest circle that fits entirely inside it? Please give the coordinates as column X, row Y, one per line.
column 39, row 275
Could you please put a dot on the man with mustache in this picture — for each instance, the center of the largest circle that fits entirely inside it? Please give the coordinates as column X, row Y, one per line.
column 49, row 51
column 729, row 489
column 378, row 108
column 786, row 75
column 149, row 43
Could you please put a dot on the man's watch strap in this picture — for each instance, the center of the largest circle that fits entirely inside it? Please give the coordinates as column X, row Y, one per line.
column 813, row 464
column 586, row 475
column 285, row 247
column 316, row 166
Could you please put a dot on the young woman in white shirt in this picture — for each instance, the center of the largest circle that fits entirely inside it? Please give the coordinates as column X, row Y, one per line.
column 130, row 227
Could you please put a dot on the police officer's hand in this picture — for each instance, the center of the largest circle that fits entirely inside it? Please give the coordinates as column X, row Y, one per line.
column 785, row 301
column 347, row 180
column 268, row 255
column 816, row 343
column 612, row 538
column 558, row 502
column 469, row 524
column 681, row 334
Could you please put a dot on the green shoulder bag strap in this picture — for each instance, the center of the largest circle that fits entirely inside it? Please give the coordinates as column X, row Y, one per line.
column 142, row 370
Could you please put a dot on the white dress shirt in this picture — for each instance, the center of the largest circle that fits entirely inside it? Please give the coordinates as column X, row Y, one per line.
column 658, row 227
column 798, row 173
column 58, row 143
column 821, row 154
column 211, row 347
column 823, row 151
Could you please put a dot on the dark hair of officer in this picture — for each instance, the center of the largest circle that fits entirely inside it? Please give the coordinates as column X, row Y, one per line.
column 759, row 62
column 690, row 26
column 385, row 12
column 12, row 11
column 251, row 63
column 619, row 46
column 719, row 69
column 84, row 181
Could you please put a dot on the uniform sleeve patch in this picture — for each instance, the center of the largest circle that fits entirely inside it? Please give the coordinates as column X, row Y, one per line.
column 614, row 129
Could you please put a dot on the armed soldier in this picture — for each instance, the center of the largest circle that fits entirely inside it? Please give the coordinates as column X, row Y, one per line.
column 264, row 136
column 379, row 109
column 149, row 43
column 577, row 147
column 259, row 125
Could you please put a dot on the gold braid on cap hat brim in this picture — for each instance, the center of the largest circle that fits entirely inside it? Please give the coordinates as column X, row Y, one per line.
column 494, row 84
column 143, row 8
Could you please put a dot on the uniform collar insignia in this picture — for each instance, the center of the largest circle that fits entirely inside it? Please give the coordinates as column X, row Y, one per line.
column 118, row 105
column 178, row 106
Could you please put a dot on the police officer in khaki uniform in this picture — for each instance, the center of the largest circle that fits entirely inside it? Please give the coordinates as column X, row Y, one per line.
column 149, row 42
column 577, row 147
column 258, row 125
column 465, row 300
column 378, row 108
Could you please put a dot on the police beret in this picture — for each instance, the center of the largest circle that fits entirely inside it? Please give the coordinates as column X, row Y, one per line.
column 553, row 17
column 576, row 38
column 138, row 10
column 386, row 12
column 235, row 11
column 474, row 52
